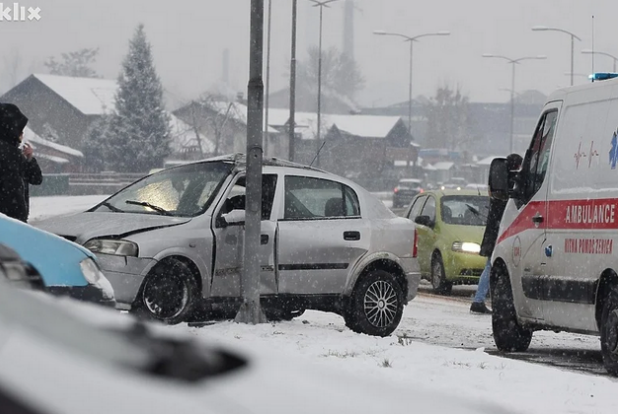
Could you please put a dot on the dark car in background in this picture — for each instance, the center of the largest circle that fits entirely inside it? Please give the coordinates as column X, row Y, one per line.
column 406, row 190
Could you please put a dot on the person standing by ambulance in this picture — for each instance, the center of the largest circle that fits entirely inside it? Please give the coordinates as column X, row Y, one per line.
column 496, row 209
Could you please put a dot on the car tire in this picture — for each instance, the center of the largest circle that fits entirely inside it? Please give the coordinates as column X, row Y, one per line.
column 376, row 305
column 509, row 335
column 439, row 283
column 168, row 293
column 609, row 332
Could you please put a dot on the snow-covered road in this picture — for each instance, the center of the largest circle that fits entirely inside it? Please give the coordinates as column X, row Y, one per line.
column 438, row 344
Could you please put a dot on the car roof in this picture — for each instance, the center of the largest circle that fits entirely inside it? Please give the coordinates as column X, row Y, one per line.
column 449, row 192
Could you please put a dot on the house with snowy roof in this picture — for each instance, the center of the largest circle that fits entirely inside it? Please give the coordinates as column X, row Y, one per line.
column 62, row 108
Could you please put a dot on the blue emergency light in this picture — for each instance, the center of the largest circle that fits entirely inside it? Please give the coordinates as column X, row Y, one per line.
column 602, row 76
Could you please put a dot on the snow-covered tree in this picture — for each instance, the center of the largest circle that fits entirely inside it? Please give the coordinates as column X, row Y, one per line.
column 95, row 144
column 139, row 135
column 75, row 64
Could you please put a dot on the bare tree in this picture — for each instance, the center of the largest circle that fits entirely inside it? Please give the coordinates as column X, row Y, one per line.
column 75, row 64
column 217, row 113
column 449, row 124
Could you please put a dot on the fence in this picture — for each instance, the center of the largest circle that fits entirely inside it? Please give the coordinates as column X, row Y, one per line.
column 83, row 184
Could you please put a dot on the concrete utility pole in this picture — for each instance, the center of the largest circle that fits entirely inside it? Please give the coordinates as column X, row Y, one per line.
column 292, row 120
column 250, row 309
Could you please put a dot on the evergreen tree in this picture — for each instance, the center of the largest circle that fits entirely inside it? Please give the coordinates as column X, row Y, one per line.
column 139, row 134
column 94, row 147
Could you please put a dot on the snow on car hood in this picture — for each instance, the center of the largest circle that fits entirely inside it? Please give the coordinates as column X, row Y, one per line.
column 85, row 226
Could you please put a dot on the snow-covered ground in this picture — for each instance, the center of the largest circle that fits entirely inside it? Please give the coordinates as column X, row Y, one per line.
column 439, row 345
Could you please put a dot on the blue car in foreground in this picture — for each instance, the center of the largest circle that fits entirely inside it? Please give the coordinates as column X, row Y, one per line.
column 67, row 269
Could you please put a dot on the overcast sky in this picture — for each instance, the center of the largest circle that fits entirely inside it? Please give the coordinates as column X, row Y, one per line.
column 189, row 37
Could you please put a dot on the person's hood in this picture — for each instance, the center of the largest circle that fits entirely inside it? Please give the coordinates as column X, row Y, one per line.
column 12, row 123
column 89, row 225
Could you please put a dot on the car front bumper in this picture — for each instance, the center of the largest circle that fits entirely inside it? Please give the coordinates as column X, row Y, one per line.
column 464, row 267
column 126, row 275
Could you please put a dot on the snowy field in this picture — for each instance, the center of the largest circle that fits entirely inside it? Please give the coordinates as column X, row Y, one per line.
column 439, row 345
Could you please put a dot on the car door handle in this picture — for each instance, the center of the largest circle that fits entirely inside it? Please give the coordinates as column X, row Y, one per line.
column 538, row 219
column 264, row 239
column 351, row 235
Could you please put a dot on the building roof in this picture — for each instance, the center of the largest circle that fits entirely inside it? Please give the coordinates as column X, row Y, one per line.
column 90, row 96
column 366, row 126
column 184, row 136
column 443, row 165
column 31, row 137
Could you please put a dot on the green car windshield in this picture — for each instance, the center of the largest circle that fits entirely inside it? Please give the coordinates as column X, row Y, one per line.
column 465, row 210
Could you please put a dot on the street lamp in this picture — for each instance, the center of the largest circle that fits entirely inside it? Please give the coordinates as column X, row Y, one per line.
column 573, row 37
column 595, row 52
column 513, row 62
column 410, row 39
column 321, row 5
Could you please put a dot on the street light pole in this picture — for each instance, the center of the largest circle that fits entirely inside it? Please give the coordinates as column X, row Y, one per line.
column 292, row 120
column 250, row 310
column 513, row 62
column 321, row 5
column 410, row 91
column 573, row 37
column 410, row 39
column 596, row 52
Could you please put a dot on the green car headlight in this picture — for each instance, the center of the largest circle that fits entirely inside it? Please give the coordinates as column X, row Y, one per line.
column 466, row 247
column 115, row 247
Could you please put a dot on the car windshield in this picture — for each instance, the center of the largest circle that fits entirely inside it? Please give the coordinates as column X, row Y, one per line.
column 465, row 210
column 182, row 191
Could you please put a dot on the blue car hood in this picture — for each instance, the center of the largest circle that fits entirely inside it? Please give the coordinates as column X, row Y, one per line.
column 56, row 259
column 82, row 227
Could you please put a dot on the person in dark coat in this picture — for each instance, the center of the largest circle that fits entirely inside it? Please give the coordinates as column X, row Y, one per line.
column 492, row 228
column 17, row 168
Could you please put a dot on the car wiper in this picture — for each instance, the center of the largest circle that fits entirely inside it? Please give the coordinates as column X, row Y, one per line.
column 111, row 207
column 475, row 211
column 152, row 206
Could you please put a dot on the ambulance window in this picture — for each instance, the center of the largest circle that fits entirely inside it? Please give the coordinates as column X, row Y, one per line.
column 539, row 153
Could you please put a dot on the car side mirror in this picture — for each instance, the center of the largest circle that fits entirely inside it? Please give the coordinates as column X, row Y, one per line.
column 424, row 221
column 499, row 179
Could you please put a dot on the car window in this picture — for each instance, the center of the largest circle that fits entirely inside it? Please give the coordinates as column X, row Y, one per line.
column 237, row 196
column 308, row 198
column 415, row 209
column 429, row 209
column 464, row 210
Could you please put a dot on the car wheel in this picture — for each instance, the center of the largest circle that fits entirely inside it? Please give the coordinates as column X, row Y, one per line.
column 509, row 335
column 168, row 293
column 609, row 332
column 376, row 304
column 438, row 277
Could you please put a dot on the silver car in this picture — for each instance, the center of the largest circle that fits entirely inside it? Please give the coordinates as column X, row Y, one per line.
column 172, row 244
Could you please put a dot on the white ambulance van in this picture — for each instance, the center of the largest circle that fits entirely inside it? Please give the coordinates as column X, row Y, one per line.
column 554, row 265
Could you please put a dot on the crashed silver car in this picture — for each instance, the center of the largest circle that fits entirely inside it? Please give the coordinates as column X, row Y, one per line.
column 171, row 244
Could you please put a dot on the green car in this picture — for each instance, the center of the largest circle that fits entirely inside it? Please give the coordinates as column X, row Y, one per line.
column 450, row 226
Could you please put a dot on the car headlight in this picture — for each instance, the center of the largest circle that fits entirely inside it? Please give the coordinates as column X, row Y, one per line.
column 466, row 247
column 93, row 275
column 90, row 270
column 117, row 247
